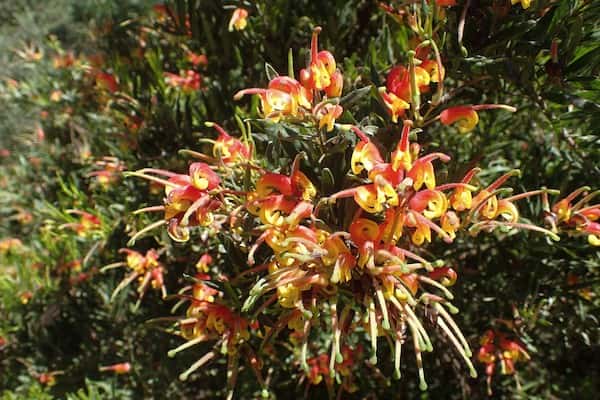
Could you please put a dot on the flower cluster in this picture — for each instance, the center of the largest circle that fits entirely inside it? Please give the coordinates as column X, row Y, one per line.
column 190, row 199
column 310, row 265
column 322, row 367
column 88, row 223
column 315, row 97
column 189, row 81
column 109, row 171
column 206, row 319
column 496, row 348
column 145, row 268
column 579, row 218
column 363, row 273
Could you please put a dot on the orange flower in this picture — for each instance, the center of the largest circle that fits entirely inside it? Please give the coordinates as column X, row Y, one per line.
column 327, row 113
column 201, row 291
column 465, row 117
column 275, row 103
column 445, row 3
column 197, row 59
column 204, row 262
column 398, row 81
column 49, row 378
column 365, row 155
column 146, row 268
column 446, row 275
column 110, row 172
column 364, row 233
column 487, row 355
column 87, row 224
column 422, row 232
column 106, row 81
column 450, row 223
column 402, row 157
column 65, row 60
column 395, row 105
column 299, row 93
column 238, row 19
column 322, row 73
column 318, row 368
column 25, row 296
column 487, row 204
column 431, row 203
column 271, row 183
column 188, row 201
column 189, row 81
column 203, row 177
column 336, row 86
column 433, row 69
column 496, row 346
column 422, row 170
column 593, row 230
column 369, row 199
column 508, row 211
column 282, row 200
column 338, row 255
column 231, row 150
column 393, row 225
column 524, row 3
column 462, row 199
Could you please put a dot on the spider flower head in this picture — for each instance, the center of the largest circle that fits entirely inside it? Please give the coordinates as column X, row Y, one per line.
column 228, row 148
column 207, row 321
column 145, row 268
column 497, row 348
column 88, row 223
column 190, row 199
column 578, row 218
column 288, row 98
column 322, row 73
column 189, row 81
column 109, row 171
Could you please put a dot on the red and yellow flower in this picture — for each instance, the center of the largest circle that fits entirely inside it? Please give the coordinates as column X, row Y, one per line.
column 287, row 98
column 239, row 19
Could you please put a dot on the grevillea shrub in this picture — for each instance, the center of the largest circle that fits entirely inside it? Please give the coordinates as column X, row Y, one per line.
column 333, row 266
column 345, row 200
